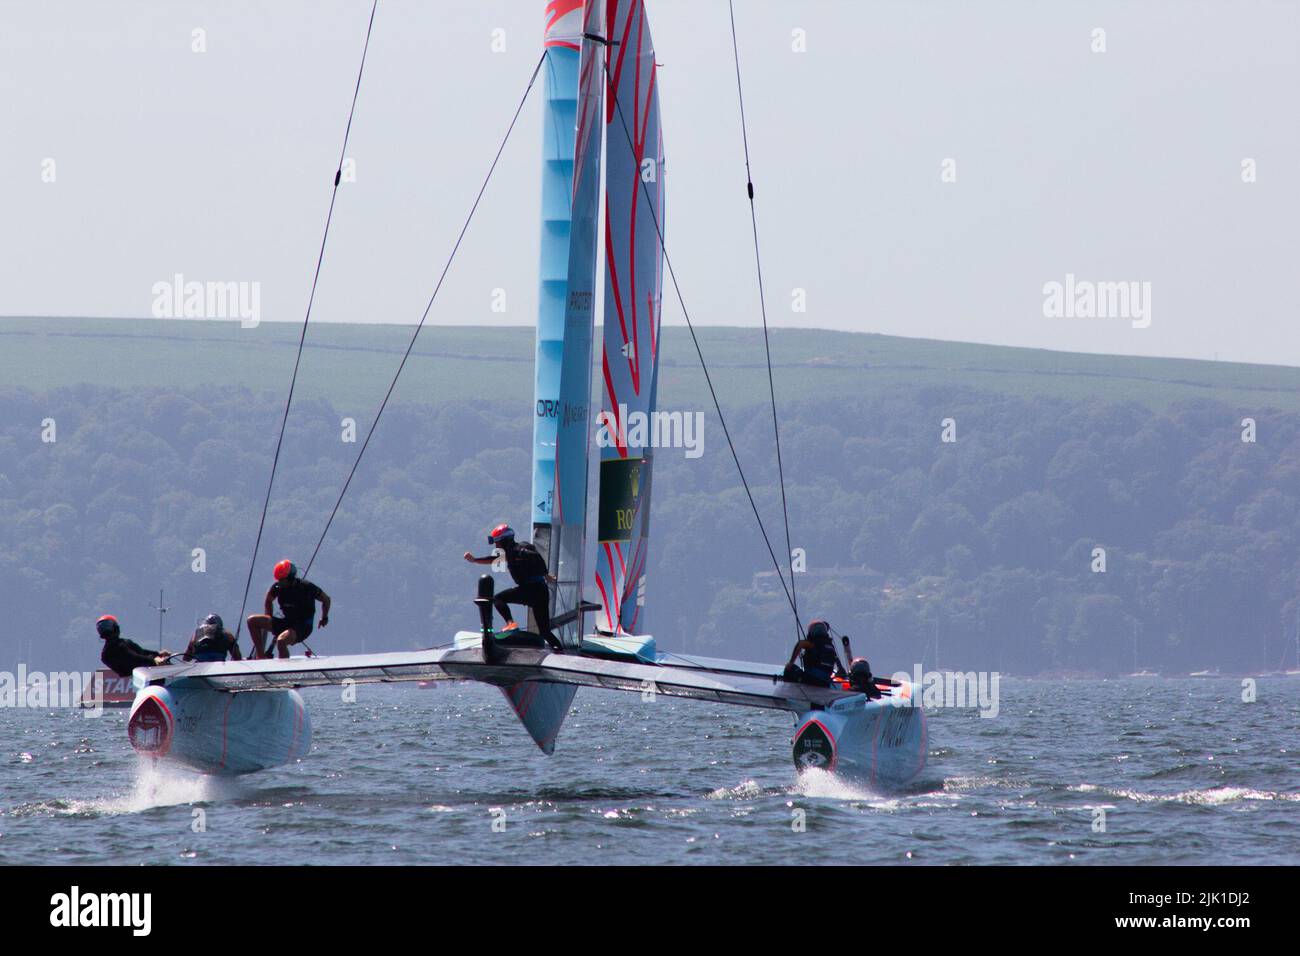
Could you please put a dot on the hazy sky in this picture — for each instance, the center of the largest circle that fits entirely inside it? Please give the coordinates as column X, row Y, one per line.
column 1123, row 165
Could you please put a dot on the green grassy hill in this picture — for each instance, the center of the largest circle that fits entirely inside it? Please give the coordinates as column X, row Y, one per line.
column 352, row 364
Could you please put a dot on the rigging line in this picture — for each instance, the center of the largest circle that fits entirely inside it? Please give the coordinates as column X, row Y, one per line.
column 762, row 302
column 672, row 275
column 302, row 338
column 428, row 307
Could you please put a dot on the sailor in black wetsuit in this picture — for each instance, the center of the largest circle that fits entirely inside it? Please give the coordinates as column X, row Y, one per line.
column 528, row 568
column 820, row 662
column 212, row 642
column 120, row 655
column 293, row 625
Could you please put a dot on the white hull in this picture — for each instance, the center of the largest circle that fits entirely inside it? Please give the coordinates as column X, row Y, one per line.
column 218, row 732
column 188, row 714
column 877, row 742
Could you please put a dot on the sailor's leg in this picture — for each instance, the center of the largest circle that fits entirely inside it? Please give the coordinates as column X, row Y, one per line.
column 541, row 605
column 258, row 625
column 284, row 640
column 504, row 599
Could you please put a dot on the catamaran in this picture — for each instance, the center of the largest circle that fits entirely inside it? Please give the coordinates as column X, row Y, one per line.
column 601, row 125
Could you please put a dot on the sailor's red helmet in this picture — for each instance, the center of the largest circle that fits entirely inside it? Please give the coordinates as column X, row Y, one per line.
column 502, row 532
column 285, row 569
column 107, row 625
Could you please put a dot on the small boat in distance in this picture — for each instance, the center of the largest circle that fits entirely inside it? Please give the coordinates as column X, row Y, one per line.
column 118, row 691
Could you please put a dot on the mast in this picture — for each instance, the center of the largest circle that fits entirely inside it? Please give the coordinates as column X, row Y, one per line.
column 573, row 430
column 562, row 43
column 572, row 147
column 634, row 220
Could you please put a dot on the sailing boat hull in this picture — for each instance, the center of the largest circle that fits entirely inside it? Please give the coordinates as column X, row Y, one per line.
column 880, row 742
column 217, row 732
column 541, row 707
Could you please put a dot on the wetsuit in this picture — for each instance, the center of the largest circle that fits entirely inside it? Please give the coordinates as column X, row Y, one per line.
column 528, row 568
column 820, row 660
column 210, row 644
column 122, row 656
column 297, row 598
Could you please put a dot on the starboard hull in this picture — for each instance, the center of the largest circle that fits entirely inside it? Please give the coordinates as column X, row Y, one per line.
column 216, row 732
column 881, row 743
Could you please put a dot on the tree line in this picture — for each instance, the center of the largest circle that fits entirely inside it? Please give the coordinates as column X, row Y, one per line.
column 954, row 525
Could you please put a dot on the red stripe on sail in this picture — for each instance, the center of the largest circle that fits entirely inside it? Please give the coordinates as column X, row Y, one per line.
column 612, row 263
column 613, row 401
column 616, row 74
column 557, row 513
column 604, row 601
column 555, row 10
column 614, row 588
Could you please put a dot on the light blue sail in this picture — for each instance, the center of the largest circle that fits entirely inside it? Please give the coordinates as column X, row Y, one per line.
column 559, row 119
column 574, row 425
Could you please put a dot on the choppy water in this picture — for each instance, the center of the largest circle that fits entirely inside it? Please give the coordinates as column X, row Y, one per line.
column 1186, row 772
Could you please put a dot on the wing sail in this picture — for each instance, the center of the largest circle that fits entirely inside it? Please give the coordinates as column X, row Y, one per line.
column 634, row 216
column 567, row 545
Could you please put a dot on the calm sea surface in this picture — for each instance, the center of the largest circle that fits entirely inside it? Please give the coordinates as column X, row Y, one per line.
column 1185, row 771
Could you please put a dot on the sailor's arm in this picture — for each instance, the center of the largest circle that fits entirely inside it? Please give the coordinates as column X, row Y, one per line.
column 324, row 607
column 235, row 654
column 473, row 560
column 142, row 657
column 266, row 603
column 799, row 647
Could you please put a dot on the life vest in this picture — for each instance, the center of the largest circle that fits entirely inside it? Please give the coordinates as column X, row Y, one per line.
column 526, row 564
column 297, row 598
column 821, row 656
column 210, row 643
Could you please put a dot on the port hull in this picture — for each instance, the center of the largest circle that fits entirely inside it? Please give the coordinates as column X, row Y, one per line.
column 219, row 732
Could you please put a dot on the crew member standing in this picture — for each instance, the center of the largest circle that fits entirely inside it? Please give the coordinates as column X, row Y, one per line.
column 528, row 568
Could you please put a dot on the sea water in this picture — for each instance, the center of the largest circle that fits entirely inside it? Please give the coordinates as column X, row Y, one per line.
column 1069, row 772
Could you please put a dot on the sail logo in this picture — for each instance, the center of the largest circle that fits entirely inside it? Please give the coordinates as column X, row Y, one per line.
column 1085, row 299
column 179, row 299
column 131, row 910
column 657, row 429
column 548, row 408
column 573, row 414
